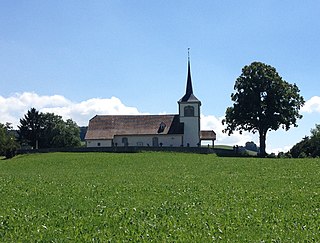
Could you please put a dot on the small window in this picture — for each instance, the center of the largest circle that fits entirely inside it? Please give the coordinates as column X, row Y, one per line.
column 161, row 127
column 99, row 144
column 189, row 110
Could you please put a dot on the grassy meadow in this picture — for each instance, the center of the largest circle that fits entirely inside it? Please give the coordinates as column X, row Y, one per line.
column 160, row 197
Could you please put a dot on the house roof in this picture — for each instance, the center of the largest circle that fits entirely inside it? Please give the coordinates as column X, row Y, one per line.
column 107, row 126
column 207, row 135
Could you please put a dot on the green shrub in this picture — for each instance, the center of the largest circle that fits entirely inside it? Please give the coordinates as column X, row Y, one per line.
column 302, row 155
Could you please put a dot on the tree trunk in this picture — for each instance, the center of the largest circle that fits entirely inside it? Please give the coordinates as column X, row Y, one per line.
column 262, row 138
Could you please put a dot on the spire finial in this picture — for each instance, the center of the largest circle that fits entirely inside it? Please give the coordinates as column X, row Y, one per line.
column 188, row 54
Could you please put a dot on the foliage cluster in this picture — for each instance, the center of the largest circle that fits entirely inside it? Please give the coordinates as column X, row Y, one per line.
column 8, row 143
column 160, row 197
column 47, row 130
column 308, row 146
column 251, row 146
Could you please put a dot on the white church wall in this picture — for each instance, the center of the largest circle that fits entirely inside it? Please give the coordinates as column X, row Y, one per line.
column 149, row 140
column 99, row 143
column 172, row 140
column 191, row 123
column 191, row 131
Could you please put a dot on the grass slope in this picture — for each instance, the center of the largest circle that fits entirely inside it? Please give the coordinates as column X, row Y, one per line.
column 158, row 197
column 227, row 147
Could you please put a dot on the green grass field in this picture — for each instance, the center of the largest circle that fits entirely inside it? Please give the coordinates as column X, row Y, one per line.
column 160, row 197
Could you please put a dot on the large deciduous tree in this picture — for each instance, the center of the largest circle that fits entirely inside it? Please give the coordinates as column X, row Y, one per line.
column 263, row 101
column 68, row 135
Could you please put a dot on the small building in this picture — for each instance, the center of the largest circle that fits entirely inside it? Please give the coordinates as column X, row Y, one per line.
column 174, row 130
column 208, row 135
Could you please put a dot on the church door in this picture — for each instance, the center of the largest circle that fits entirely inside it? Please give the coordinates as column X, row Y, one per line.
column 155, row 142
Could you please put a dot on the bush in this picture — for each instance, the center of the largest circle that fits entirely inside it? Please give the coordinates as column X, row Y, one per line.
column 272, row 155
column 288, row 155
column 302, row 155
column 8, row 144
column 10, row 153
column 281, row 155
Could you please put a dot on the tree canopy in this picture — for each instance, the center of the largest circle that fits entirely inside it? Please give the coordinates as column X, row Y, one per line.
column 30, row 127
column 263, row 101
column 47, row 130
column 252, row 146
column 308, row 146
column 8, row 143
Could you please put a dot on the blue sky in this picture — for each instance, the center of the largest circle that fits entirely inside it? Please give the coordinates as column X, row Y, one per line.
column 81, row 58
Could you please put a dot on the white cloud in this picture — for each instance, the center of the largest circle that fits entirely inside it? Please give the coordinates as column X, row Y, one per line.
column 213, row 123
column 312, row 105
column 13, row 108
column 277, row 150
column 85, row 110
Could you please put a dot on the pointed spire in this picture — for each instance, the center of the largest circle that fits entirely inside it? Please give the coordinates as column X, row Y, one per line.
column 189, row 96
column 189, row 89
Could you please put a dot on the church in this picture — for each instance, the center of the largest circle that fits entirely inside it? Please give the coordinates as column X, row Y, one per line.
column 176, row 130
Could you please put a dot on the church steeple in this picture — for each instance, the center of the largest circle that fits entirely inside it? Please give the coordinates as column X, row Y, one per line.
column 189, row 96
column 189, row 90
column 189, row 113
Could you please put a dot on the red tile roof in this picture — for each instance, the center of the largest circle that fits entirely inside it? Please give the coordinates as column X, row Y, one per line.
column 107, row 126
column 207, row 135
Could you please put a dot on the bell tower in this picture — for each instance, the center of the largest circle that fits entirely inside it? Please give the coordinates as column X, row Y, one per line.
column 189, row 113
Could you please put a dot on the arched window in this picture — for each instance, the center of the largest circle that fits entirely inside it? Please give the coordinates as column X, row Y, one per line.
column 189, row 110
